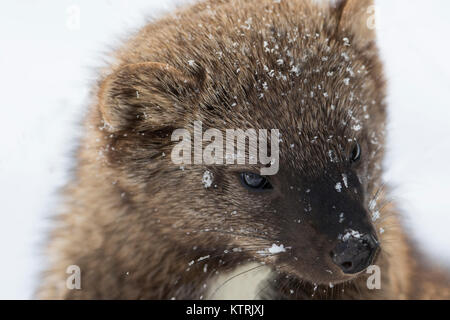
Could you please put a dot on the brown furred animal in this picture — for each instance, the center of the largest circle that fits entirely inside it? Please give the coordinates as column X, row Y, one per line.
column 141, row 227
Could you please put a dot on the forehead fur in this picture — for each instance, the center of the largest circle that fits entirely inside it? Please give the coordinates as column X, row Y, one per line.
column 288, row 67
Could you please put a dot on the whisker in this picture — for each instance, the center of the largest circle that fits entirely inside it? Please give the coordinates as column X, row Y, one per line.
column 241, row 235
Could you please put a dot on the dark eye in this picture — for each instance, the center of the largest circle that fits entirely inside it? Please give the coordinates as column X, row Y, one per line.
column 255, row 181
column 355, row 153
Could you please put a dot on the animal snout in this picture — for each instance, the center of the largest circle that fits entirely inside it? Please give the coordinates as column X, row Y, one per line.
column 354, row 254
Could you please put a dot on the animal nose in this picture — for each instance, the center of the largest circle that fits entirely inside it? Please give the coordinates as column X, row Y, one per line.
column 355, row 254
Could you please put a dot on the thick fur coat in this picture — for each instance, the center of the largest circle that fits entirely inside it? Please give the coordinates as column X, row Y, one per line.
column 140, row 227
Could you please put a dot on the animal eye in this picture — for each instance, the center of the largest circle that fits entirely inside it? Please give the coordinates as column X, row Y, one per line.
column 355, row 154
column 255, row 181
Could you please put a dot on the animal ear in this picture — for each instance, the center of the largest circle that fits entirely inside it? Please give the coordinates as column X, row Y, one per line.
column 357, row 19
column 145, row 96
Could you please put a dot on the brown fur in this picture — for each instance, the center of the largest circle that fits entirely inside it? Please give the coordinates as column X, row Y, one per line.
column 133, row 221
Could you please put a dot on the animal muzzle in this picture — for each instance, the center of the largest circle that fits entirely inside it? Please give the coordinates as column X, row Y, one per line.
column 354, row 254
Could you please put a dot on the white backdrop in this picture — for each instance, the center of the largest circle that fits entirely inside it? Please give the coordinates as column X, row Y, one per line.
column 47, row 65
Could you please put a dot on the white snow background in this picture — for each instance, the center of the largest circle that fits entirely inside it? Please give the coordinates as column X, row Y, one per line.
column 47, row 66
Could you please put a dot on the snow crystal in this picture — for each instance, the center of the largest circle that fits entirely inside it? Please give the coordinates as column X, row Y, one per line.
column 375, row 216
column 202, row 258
column 372, row 204
column 191, row 63
column 272, row 250
column 296, row 70
column 277, row 249
column 207, row 179
column 345, row 179
column 351, row 234
column 345, row 56
column 308, row 208
column 338, row 187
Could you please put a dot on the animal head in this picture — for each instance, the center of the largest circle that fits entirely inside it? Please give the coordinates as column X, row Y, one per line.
column 312, row 74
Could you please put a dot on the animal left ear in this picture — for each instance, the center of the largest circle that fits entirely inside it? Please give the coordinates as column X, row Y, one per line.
column 147, row 96
column 357, row 19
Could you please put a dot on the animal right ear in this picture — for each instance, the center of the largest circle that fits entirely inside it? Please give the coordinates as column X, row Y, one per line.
column 357, row 18
column 146, row 96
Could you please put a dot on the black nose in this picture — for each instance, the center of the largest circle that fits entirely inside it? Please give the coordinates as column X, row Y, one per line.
column 354, row 254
